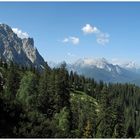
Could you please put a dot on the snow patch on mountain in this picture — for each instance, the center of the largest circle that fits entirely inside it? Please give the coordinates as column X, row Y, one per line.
column 100, row 63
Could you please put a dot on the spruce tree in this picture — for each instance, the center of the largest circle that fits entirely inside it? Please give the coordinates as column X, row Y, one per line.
column 12, row 82
column 27, row 92
column 46, row 97
column 119, row 129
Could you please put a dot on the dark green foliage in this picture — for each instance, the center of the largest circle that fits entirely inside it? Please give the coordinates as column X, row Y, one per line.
column 12, row 82
column 46, row 96
column 107, row 116
column 27, row 92
column 130, row 132
column 1, row 83
column 84, row 110
column 119, row 129
column 59, row 104
column 62, row 123
column 9, row 117
column 62, row 86
column 33, row 125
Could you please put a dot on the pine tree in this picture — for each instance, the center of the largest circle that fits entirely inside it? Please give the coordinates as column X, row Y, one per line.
column 119, row 129
column 1, row 63
column 62, row 86
column 46, row 93
column 12, row 83
column 105, row 128
column 75, row 81
column 62, row 123
column 27, row 91
column 71, row 79
column 1, row 84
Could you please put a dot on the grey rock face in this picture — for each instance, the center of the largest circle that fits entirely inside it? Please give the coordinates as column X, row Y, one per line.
column 20, row 51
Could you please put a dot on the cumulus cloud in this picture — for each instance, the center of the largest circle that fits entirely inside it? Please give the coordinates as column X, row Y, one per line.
column 20, row 33
column 71, row 39
column 101, row 37
column 88, row 29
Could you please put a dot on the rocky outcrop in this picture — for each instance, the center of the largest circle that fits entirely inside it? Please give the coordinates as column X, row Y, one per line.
column 20, row 51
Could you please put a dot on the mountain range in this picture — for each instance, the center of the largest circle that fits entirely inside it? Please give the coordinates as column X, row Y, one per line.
column 101, row 69
column 22, row 51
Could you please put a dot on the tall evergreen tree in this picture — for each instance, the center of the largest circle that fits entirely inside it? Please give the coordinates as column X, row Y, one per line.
column 62, row 86
column 105, row 128
column 119, row 129
column 1, row 84
column 12, row 82
column 27, row 92
column 46, row 96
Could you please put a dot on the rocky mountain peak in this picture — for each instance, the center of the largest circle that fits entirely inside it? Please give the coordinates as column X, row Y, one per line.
column 7, row 34
column 21, row 51
column 5, row 28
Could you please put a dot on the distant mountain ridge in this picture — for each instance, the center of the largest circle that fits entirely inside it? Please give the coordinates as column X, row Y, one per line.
column 101, row 69
column 20, row 51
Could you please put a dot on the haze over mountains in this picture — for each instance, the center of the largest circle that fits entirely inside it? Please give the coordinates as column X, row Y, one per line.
column 23, row 52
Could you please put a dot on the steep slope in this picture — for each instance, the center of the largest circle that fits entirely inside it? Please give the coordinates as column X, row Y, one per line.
column 20, row 51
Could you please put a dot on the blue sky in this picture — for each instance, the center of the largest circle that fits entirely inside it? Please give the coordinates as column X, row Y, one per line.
column 71, row 30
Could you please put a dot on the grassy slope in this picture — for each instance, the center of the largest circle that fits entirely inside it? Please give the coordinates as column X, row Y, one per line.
column 85, row 109
column 79, row 97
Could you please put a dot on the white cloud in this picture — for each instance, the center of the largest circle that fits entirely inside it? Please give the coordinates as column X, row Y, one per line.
column 19, row 33
column 65, row 40
column 74, row 40
column 101, row 37
column 88, row 29
column 71, row 39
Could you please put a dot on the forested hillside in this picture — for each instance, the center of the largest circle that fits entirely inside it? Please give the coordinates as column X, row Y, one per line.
column 58, row 104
